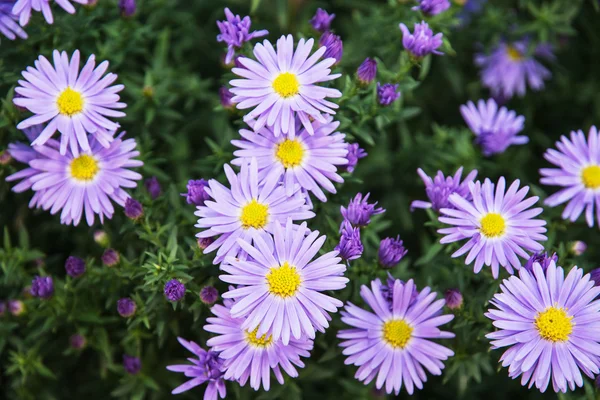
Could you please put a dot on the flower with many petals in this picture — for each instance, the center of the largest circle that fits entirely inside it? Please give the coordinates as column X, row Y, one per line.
column 387, row 93
column 23, row 8
column 540, row 258
column 8, row 21
column 359, row 210
column 422, row 42
column 440, row 188
column 321, row 20
column 355, row 153
column 350, row 246
column 334, row 45
column 235, row 31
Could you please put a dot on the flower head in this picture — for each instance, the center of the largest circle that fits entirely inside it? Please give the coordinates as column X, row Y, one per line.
column 334, row 45
column 578, row 247
column 8, row 21
column 153, row 187
column 132, row 364
column 281, row 277
column 42, row 287
column 422, row 42
column 251, row 355
column 126, row 307
column 205, row 367
column 388, row 343
column 367, row 71
column 77, row 341
column 70, row 101
column 110, row 257
column 350, row 246
column 174, row 290
column 235, row 31
column 209, row 295
column 387, row 93
column 432, row 7
column 127, row 7
column 282, row 85
column 509, row 69
column 321, row 20
column 133, row 209
column 391, row 251
column 549, row 323
column 196, row 192
column 75, row 266
column 495, row 128
column 22, row 8
column 578, row 173
column 355, row 153
column 454, row 299
column 499, row 227
column 540, row 258
column 307, row 160
column 359, row 210
column 440, row 188
column 246, row 209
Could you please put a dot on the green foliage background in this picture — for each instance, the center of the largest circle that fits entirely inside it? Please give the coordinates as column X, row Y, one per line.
column 169, row 60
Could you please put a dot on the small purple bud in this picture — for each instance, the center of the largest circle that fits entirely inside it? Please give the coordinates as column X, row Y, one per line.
column 16, row 307
column 126, row 307
column 387, row 290
column 77, row 341
column 75, row 266
column 350, row 246
column 101, row 237
column 132, row 364
column 542, row 258
column 387, row 94
column 196, row 192
column 133, row 209
column 334, row 45
column 153, row 187
column 174, row 290
column 203, row 243
column 5, row 157
column 367, row 71
column 454, row 299
column 578, row 247
column 110, row 257
column 360, row 211
column 355, row 153
column 209, row 295
column 225, row 95
column 322, row 20
column 127, row 7
column 42, row 287
column 391, row 251
column 595, row 276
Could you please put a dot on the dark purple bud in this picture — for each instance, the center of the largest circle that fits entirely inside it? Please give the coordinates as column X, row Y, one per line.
column 75, row 266
column 132, row 364
column 334, row 45
column 153, row 187
column 542, row 258
column 196, row 192
column 42, row 287
column 126, row 307
column 127, row 7
column 203, row 243
column 355, row 153
column 595, row 276
column 387, row 290
column 16, row 307
column 110, row 257
column 454, row 298
column 226, row 96
column 133, row 209
column 77, row 341
column 350, row 246
column 174, row 290
column 360, row 211
column 367, row 71
column 391, row 251
column 387, row 94
column 209, row 295
column 322, row 20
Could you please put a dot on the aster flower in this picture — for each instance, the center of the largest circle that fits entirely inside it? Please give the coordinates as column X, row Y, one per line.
column 509, row 69
column 387, row 93
column 174, row 290
column 440, row 188
column 499, row 227
column 540, row 258
column 495, row 129
column 432, row 7
column 23, row 8
column 422, row 42
column 280, row 288
column 205, row 367
column 282, row 85
column 334, row 45
column 132, row 364
column 251, row 356
column 80, row 184
column 70, row 101
column 42, row 287
column 355, row 153
column 359, row 210
column 367, row 71
column 8, row 21
column 550, row 324
column 350, row 246
column 246, row 209
column 196, row 192
column 235, row 31
column 391, row 251
column 578, row 173
column 306, row 160
column 75, row 266
column 394, row 345
column 321, row 20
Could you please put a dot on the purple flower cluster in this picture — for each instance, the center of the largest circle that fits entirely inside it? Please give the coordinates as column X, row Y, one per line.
column 350, row 246
column 235, row 31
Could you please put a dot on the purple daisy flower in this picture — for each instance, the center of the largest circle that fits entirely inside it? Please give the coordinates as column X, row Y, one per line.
column 196, row 192
column 205, row 367
column 540, row 258
column 235, row 31
column 23, row 8
column 334, row 45
column 70, row 101
column 250, row 355
column 245, row 209
column 440, row 188
column 550, row 324
column 394, row 345
column 387, row 93
column 350, row 246
column 432, row 7
column 422, row 42
column 496, row 129
column 282, row 86
column 391, row 252
column 499, row 227
column 280, row 289
column 307, row 160
column 509, row 69
column 367, row 71
column 321, row 20
column 359, row 211
column 8, row 21
column 83, row 184
column 355, row 153
column 578, row 173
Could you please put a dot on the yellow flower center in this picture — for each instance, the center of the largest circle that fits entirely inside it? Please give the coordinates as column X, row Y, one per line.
column 263, row 341
column 70, row 102
column 554, row 324
column 283, row 281
column 84, row 168
column 254, row 215
column 286, row 85
column 493, row 225
column 290, row 153
column 397, row 333
column 513, row 53
column 591, row 177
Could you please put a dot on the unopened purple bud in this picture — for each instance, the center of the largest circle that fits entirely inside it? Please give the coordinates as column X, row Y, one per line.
column 133, row 209
column 126, row 307
column 454, row 299
column 334, row 45
column 360, row 211
column 77, row 341
column 595, row 276
column 196, row 192
column 5, row 157
column 132, row 364
column 391, row 251
column 578, row 247
column 322, row 20
column 387, row 93
column 174, row 290
column 127, row 7
column 16, row 307
column 153, row 187
column 110, row 257
column 541, row 258
column 350, row 246
column 42, row 287
column 209, row 295
column 355, row 153
column 367, row 71
column 225, row 95
column 75, row 266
